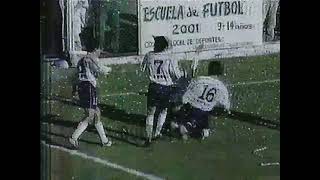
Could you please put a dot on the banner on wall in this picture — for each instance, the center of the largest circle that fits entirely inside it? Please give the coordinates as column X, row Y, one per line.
column 193, row 25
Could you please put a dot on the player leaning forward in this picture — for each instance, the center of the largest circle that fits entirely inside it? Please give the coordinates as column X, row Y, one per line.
column 87, row 72
column 163, row 71
column 203, row 94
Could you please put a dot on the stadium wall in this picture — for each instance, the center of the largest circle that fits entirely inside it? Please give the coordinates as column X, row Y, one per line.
column 265, row 49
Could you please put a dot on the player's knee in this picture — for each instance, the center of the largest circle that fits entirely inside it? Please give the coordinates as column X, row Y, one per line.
column 89, row 112
column 97, row 123
column 163, row 112
column 97, row 116
column 151, row 111
column 149, row 120
column 174, row 125
column 89, row 115
column 183, row 130
column 98, row 112
column 83, row 123
column 176, row 109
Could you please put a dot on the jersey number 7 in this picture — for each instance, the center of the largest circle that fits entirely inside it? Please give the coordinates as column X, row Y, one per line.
column 158, row 64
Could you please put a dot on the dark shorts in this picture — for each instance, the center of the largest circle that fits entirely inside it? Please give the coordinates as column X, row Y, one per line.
column 159, row 95
column 195, row 120
column 87, row 95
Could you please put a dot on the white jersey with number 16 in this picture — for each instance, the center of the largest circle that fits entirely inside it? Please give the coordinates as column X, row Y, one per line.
column 205, row 93
column 162, row 68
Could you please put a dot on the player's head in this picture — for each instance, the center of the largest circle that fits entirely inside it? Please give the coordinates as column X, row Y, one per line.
column 95, row 53
column 160, row 43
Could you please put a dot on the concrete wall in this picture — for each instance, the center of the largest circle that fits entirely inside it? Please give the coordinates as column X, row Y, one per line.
column 266, row 48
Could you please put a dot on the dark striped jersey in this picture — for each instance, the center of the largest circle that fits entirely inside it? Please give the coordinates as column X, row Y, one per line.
column 88, row 70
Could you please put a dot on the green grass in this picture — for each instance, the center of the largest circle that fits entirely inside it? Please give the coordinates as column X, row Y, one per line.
column 225, row 155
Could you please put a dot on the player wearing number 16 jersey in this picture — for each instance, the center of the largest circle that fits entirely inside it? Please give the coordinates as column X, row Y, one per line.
column 163, row 71
column 203, row 94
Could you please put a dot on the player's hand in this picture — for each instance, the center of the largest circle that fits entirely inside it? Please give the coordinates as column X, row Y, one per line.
column 74, row 94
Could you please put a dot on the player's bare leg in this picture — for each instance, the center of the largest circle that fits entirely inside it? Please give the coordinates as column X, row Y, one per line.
column 205, row 133
column 176, row 108
column 89, row 115
column 174, row 125
column 161, row 120
column 184, row 132
column 99, row 126
column 149, row 122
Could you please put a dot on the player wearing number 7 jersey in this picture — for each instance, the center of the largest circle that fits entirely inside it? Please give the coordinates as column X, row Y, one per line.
column 163, row 71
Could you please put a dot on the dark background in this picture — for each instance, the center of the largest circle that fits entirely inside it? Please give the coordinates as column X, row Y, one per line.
column 20, row 90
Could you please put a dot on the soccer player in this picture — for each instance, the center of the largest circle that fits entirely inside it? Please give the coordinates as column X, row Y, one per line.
column 88, row 71
column 269, row 13
column 202, row 95
column 163, row 71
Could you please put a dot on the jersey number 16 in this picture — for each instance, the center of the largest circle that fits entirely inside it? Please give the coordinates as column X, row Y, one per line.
column 208, row 95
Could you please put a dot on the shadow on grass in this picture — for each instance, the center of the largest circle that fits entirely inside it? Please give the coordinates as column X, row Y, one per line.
column 109, row 111
column 249, row 118
column 115, row 114
column 45, row 136
column 67, row 101
column 122, row 134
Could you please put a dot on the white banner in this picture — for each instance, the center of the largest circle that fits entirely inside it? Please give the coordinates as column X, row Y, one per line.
column 200, row 24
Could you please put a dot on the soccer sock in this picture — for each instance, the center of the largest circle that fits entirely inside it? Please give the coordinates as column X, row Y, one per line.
column 81, row 127
column 184, row 132
column 101, row 132
column 161, row 120
column 149, row 126
column 174, row 125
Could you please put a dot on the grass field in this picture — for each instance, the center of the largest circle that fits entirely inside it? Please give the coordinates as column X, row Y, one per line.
column 227, row 154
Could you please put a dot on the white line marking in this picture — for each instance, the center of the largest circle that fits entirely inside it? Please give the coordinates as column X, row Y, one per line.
column 260, row 149
column 270, row 164
column 122, row 94
column 236, row 84
column 104, row 162
column 255, row 82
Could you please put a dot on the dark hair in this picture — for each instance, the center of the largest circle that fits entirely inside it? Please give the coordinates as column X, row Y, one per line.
column 160, row 43
column 90, row 49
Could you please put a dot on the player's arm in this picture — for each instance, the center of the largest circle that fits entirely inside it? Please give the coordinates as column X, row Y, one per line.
column 174, row 69
column 93, row 63
column 226, row 104
column 143, row 64
column 222, row 108
column 94, row 67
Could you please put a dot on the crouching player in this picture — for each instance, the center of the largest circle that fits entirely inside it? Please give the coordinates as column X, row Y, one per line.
column 202, row 95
